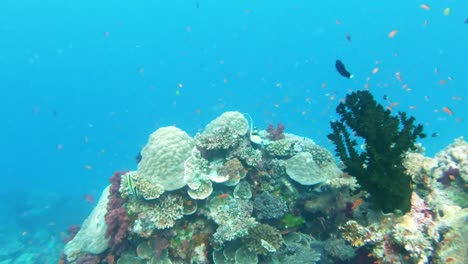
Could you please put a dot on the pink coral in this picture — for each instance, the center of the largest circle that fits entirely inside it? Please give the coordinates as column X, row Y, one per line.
column 116, row 217
column 420, row 211
column 276, row 134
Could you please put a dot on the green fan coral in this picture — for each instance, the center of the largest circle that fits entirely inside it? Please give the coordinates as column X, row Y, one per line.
column 378, row 168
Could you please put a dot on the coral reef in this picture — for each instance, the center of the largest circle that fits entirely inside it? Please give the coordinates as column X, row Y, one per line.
column 378, row 168
column 235, row 200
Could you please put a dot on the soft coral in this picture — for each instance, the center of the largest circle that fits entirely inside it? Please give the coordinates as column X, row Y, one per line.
column 275, row 133
column 116, row 217
column 449, row 175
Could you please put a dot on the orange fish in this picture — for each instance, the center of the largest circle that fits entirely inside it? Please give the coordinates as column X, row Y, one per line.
column 398, row 76
column 224, row 195
column 89, row 198
column 357, row 203
column 425, row 7
column 392, row 33
column 442, row 82
column 447, row 110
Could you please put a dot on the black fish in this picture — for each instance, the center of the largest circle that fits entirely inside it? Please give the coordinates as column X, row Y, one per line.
column 342, row 69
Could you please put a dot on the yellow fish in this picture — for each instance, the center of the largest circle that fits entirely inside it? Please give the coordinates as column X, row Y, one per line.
column 447, row 11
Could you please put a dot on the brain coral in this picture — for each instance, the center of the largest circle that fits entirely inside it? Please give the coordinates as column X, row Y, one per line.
column 163, row 158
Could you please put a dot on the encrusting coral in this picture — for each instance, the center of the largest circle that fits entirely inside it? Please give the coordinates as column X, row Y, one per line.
column 378, row 168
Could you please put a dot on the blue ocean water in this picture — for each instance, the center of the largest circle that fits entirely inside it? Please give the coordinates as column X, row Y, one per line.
column 85, row 82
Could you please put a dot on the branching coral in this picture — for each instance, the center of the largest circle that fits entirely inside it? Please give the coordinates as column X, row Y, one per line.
column 378, row 168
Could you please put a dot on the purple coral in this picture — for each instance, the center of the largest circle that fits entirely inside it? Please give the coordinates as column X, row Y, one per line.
column 448, row 176
column 116, row 217
column 275, row 133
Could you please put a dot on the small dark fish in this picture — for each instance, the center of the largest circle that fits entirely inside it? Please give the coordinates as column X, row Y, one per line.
column 466, row 20
column 385, row 97
column 348, row 37
column 435, row 134
column 342, row 70
column 138, row 157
